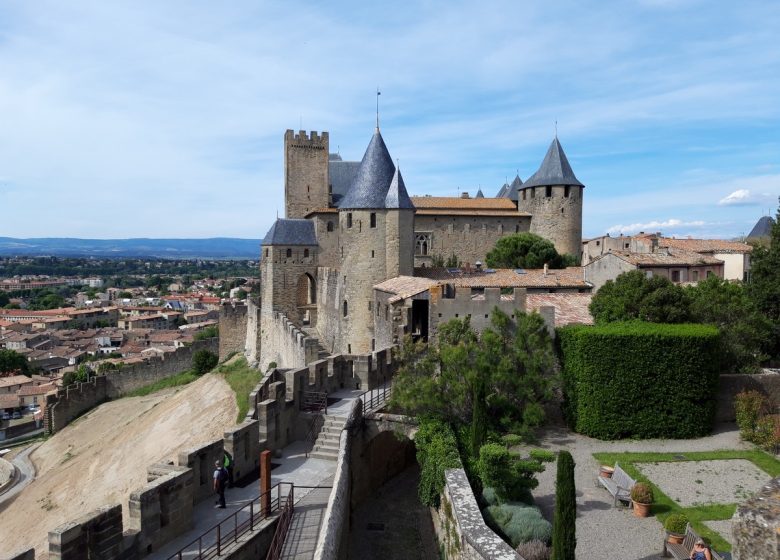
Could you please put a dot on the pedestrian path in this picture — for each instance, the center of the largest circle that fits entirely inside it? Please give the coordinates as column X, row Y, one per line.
column 301, row 540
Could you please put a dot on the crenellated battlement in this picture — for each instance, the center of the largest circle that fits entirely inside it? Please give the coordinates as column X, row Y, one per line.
column 302, row 139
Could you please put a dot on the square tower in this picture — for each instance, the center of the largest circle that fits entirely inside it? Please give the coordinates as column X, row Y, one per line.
column 305, row 173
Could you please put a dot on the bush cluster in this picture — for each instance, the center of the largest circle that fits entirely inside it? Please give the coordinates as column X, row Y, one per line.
column 437, row 451
column 534, row 550
column 641, row 380
column 756, row 422
column 518, row 523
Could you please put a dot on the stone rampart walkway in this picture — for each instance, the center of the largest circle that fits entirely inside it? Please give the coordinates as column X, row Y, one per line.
column 301, row 540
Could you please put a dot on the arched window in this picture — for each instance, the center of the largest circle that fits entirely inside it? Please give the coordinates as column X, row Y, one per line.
column 289, row 253
column 305, row 253
column 346, row 309
column 266, row 253
column 330, row 226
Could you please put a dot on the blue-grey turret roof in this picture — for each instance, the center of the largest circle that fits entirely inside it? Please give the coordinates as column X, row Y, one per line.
column 397, row 197
column 291, row 232
column 372, row 181
column 479, row 193
column 763, row 227
column 555, row 169
column 503, row 190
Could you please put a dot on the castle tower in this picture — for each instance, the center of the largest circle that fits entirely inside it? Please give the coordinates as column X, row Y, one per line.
column 305, row 173
column 376, row 220
column 553, row 197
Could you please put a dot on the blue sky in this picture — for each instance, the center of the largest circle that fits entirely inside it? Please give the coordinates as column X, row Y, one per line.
column 165, row 119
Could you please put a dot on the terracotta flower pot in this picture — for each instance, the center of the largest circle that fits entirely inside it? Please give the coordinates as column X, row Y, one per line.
column 641, row 510
column 606, row 472
column 674, row 538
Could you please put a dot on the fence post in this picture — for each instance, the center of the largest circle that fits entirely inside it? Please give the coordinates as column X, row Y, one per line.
column 265, row 482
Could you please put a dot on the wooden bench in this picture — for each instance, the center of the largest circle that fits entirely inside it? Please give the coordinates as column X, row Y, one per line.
column 683, row 551
column 619, row 485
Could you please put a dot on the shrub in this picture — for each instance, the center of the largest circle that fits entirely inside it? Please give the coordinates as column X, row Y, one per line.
column 639, row 380
column 542, row 455
column 564, row 536
column 204, row 361
column 534, row 550
column 767, row 433
column 509, row 475
column 437, row 451
column 518, row 523
column 642, row 493
column 490, row 497
column 676, row 523
column 750, row 406
column 211, row 331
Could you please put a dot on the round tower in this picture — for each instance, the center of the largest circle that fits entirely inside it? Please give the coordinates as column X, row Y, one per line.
column 376, row 241
column 553, row 197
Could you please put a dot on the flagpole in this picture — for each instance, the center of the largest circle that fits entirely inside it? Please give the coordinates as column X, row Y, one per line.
column 378, row 93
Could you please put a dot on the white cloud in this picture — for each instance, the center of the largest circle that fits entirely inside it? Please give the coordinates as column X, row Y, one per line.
column 744, row 197
column 656, row 225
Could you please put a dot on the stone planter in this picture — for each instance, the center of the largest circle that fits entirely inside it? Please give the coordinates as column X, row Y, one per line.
column 640, row 509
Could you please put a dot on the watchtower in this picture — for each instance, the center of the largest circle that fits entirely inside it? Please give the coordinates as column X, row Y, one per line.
column 305, row 172
column 553, row 197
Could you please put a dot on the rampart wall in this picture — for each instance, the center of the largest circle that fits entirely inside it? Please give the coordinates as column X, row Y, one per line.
column 330, row 288
column 284, row 343
column 74, row 400
column 476, row 303
column 233, row 321
column 252, row 343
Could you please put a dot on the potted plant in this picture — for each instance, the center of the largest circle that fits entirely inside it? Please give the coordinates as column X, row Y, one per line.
column 642, row 498
column 605, row 471
column 676, row 525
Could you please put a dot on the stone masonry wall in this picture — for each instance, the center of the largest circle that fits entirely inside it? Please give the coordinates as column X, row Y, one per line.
column 95, row 535
column 767, row 383
column 470, row 239
column 306, row 181
column 330, row 296
column 328, row 241
column 755, row 527
column 557, row 217
column 284, row 343
column 253, row 332
column 445, row 309
column 232, row 329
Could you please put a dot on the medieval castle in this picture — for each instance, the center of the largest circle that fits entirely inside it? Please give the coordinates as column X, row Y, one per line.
column 349, row 268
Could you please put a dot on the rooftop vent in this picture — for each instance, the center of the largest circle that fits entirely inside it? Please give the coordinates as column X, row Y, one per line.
column 520, row 271
column 465, row 195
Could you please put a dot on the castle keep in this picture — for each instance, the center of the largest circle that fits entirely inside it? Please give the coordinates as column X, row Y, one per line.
column 349, row 270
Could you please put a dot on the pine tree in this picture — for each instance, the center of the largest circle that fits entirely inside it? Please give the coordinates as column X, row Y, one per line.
column 564, row 536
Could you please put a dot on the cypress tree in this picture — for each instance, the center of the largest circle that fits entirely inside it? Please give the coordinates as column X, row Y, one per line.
column 479, row 416
column 564, row 537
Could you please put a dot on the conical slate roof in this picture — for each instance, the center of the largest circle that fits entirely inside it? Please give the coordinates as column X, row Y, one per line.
column 397, row 197
column 502, row 191
column 372, row 181
column 291, row 232
column 763, row 227
column 479, row 193
column 555, row 169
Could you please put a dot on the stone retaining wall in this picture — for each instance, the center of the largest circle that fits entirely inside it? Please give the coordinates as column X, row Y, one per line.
column 755, row 527
column 767, row 383
column 95, row 535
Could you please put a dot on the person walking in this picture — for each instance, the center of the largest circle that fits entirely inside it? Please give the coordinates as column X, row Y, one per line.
column 220, row 482
column 228, row 464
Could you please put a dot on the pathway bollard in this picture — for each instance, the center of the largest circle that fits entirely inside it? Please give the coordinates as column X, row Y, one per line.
column 265, row 482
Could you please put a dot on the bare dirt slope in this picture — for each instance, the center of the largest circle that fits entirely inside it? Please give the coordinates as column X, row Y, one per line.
column 102, row 457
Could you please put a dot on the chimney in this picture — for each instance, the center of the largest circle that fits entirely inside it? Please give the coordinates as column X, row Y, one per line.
column 545, row 269
column 478, row 264
column 465, row 195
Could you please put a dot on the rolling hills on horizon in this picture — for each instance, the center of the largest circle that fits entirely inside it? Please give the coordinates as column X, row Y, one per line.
column 208, row 248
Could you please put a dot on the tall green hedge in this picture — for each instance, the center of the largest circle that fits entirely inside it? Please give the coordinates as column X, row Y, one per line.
column 639, row 380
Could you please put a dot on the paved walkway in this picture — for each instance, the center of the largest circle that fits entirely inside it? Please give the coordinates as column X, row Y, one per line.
column 603, row 530
column 301, row 540
column 26, row 474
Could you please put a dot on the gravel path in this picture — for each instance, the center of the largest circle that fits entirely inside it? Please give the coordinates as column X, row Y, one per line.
column 603, row 531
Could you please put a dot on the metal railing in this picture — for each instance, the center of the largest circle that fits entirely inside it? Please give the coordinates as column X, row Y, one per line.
column 314, row 401
column 285, row 520
column 317, row 423
column 375, row 399
column 213, row 543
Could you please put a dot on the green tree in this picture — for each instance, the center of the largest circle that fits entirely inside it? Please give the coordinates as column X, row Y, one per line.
column 204, row 361
column 634, row 296
column 11, row 361
column 526, row 250
column 211, row 331
column 764, row 285
column 564, row 541
column 507, row 473
column 4, row 299
column 743, row 328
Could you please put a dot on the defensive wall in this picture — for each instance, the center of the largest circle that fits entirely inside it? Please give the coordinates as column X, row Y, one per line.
column 284, row 343
column 73, row 400
column 233, row 318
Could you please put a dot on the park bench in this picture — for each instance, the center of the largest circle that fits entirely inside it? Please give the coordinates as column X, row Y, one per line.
column 619, row 485
column 683, row 551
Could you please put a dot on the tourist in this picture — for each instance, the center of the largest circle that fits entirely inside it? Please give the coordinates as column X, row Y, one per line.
column 228, row 464
column 701, row 551
column 220, row 481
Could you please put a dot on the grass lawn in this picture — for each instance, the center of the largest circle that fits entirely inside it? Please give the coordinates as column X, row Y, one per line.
column 664, row 505
column 174, row 381
column 242, row 379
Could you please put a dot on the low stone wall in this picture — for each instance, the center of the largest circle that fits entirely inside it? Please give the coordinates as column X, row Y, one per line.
column 460, row 526
column 201, row 461
column 76, row 399
column 17, row 430
column 25, row 555
column 243, row 444
column 95, row 535
column 767, row 383
column 335, row 522
column 755, row 527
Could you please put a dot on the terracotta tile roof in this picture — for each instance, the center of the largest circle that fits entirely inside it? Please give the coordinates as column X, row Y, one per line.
column 569, row 308
column 9, row 401
column 14, row 380
column 472, row 212
column 458, row 203
column 706, row 245
column 29, row 390
column 670, row 257
column 405, row 286
column 571, row 277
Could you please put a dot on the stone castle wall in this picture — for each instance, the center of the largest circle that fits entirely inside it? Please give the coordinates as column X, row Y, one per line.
column 233, row 321
column 281, row 275
column 72, row 401
column 557, row 217
column 306, row 181
column 468, row 238
column 284, row 343
column 462, row 305
column 328, row 241
column 330, row 295
column 253, row 340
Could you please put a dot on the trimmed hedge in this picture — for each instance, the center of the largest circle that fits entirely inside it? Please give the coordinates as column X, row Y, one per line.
column 639, row 380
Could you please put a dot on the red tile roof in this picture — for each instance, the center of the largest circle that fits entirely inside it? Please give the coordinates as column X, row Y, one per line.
column 706, row 245
column 569, row 308
column 571, row 277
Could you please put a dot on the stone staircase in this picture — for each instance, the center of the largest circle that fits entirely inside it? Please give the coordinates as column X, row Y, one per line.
column 326, row 446
column 322, row 353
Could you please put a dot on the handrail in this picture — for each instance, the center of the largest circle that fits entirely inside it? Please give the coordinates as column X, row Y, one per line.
column 211, row 543
column 285, row 520
column 374, row 399
column 317, row 423
column 314, row 401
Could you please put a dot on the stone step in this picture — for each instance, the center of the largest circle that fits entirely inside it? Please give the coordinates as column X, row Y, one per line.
column 329, row 436
column 328, row 447
column 326, row 456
